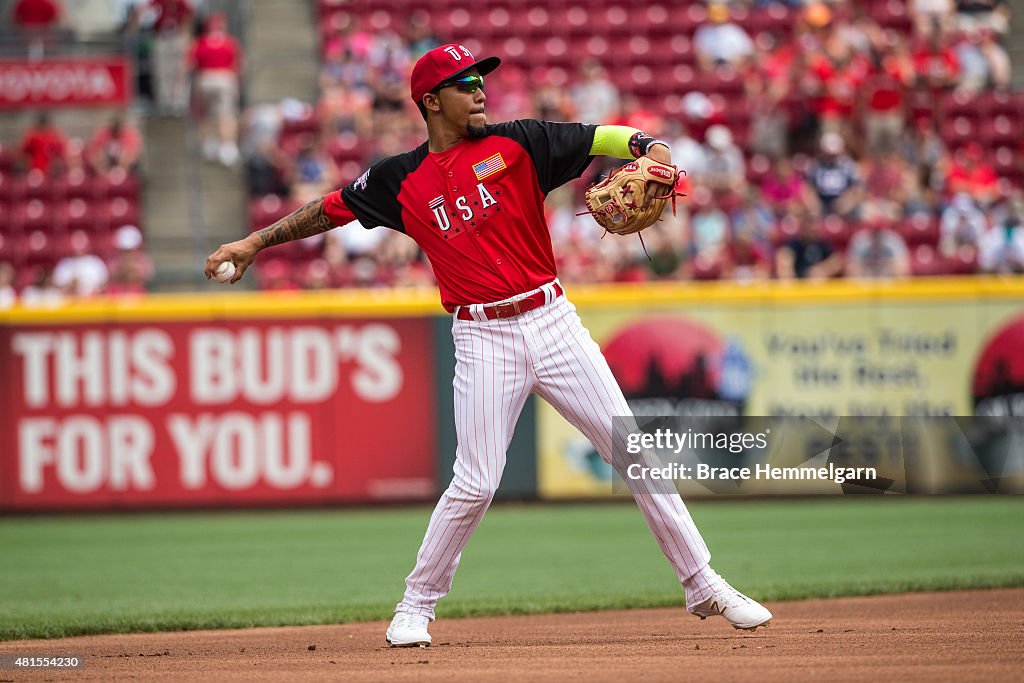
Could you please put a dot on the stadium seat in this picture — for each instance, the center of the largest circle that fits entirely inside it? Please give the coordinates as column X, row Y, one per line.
column 919, row 229
column 964, row 262
column 77, row 184
column 775, row 19
column 999, row 130
column 658, row 20
column 836, row 231
column 117, row 183
column 1000, row 102
column 36, row 214
column 36, row 185
column 959, row 131
column 707, row 268
column 787, row 229
column 958, row 103
column 273, row 273
column 123, row 211
column 268, row 209
column 6, row 159
column 6, row 187
column 10, row 250
column 78, row 214
column 6, row 223
column 892, row 14
column 924, row 260
column 39, row 249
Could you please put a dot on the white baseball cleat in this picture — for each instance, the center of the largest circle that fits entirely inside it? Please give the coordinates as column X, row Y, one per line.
column 408, row 630
column 737, row 608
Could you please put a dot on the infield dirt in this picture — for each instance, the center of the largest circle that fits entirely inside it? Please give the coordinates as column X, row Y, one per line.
column 961, row 636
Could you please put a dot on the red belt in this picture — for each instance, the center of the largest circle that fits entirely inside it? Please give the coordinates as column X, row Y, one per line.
column 511, row 309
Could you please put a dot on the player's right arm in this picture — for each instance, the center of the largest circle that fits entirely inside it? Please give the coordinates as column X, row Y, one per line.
column 306, row 221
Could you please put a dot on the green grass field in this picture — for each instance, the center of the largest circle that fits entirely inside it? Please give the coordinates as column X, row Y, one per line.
column 65, row 575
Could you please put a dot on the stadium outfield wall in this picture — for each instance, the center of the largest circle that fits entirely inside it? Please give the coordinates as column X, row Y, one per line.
column 334, row 397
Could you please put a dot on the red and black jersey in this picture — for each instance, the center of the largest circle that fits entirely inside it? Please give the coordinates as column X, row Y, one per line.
column 476, row 209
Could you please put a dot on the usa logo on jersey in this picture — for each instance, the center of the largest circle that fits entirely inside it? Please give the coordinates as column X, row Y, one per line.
column 489, row 166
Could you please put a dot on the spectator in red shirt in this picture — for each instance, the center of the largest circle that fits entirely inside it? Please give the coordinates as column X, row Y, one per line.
column 173, row 28
column 44, row 147
column 936, row 63
column 882, row 100
column 745, row 258
column 216, row 60
column 36, row 14
column 116, row 145
column 37, row 19
column 971, row 174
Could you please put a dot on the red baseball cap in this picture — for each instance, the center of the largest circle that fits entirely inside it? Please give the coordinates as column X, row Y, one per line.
column 443, row 63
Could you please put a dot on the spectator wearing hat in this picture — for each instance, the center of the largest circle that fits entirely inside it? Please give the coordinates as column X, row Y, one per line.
column 131, row 268
column 216, row 60
column 983, row 14
column 81, row 273
column 721, row 42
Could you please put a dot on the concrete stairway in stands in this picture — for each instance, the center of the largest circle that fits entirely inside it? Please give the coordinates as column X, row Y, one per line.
column 1014, row 45
column 191, row 206
column 282, row 51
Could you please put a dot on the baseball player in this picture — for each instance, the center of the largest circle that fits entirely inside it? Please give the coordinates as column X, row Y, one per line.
column 472, row 197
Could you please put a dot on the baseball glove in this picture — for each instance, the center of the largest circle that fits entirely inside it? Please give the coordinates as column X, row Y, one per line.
column 616, row 202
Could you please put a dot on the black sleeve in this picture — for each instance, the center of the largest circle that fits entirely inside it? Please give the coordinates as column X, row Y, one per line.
column 373, row 197
column 560, row 151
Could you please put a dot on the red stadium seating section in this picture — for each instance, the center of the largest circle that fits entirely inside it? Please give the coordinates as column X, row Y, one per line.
column 38, row 213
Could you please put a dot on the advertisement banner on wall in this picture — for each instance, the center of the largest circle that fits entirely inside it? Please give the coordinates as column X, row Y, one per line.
column 78, row 82
column 826, row 361
column 201, row 413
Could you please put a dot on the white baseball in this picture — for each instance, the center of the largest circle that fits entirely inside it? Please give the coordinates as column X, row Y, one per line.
column 225, row 272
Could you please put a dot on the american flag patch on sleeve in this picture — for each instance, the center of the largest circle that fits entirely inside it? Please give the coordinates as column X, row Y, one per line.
column 489, row 166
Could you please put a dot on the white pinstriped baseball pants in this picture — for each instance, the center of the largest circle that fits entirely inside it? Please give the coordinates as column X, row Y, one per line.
column 499, row 363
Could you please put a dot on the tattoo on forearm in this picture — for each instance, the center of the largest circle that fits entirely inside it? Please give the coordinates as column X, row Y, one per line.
column 306, row 221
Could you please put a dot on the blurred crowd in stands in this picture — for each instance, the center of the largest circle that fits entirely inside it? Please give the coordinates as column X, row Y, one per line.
column 70, row 214
column 820, row 139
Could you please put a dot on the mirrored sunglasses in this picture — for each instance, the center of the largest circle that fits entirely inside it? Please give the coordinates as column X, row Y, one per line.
column 468, row 84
